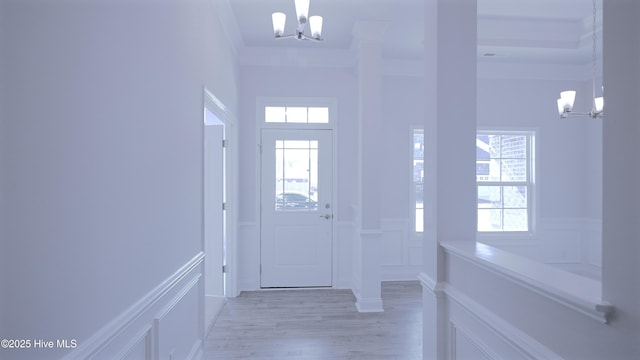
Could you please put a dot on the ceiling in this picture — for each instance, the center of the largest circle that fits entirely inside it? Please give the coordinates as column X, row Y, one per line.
column 517, row 31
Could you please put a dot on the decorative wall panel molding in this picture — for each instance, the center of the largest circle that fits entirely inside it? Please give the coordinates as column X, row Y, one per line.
column 147, row 330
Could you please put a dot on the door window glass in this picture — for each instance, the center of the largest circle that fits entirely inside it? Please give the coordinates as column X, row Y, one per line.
column 296, row 175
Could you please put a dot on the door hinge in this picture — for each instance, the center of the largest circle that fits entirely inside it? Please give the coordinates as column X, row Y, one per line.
column 225, row 269
column 224, row 143
column 224, row 206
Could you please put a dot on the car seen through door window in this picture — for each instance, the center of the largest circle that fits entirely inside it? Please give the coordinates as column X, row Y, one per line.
column 295, row 201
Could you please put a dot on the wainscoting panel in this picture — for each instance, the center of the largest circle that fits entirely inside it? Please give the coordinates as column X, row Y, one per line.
column 167, row 323
column 466, row 346
column 177, row 328
column 392, row 254
column 140, row 347
column 477, row 333
column 401, row 251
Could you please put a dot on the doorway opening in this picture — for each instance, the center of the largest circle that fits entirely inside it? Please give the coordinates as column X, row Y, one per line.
column 218, row 221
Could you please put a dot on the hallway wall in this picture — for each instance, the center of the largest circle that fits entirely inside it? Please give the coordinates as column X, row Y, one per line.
column 102, row 174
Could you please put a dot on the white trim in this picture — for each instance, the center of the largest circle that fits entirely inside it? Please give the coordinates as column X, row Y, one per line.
column 370, row 232
column 214, row 104
column 214, row 304
column 573, row 291
column 222, row 112
column 428, row 283
column 369, row 305
column 167, row 308
column 100, row 340
column 329, row 102
column 143, row 335
column 456, row 330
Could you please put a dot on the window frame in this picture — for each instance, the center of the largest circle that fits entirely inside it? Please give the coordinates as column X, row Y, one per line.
column 531, row 164
column 262, row 102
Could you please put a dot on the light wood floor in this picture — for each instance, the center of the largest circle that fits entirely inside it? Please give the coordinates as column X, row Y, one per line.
column 318, row 324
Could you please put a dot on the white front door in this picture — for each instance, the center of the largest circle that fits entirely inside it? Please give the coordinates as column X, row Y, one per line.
column 296, row 208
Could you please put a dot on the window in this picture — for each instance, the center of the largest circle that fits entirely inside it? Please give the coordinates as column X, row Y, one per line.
column 296, row 114
column 296, row 170
column 504, row 175
column 417, row 182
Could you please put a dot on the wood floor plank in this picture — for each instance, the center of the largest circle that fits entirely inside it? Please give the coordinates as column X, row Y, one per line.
column 318, row 324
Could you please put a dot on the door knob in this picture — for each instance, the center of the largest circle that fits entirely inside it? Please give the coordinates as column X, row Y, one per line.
column 328, row 216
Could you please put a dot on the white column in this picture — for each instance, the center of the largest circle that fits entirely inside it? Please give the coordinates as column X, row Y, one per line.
column 450, row 129
column 368, row 36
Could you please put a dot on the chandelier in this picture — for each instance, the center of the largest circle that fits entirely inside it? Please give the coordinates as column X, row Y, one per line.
column 302, row 12
column 567, row 98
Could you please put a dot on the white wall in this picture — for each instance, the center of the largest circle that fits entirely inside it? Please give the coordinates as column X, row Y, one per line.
column 103, row 174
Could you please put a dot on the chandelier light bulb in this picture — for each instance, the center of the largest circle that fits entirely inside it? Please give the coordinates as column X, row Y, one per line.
column 315, row 24
column 560, row 107
column 302, row 11
column 598, row 104
column 278, row 19
column 568, row 99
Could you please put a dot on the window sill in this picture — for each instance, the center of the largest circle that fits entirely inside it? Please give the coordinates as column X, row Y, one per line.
column 576, row 292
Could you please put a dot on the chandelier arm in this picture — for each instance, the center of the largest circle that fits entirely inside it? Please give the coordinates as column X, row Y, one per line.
column 285, row 36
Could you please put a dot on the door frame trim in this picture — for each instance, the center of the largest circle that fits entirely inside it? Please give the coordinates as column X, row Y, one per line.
column 224, row 114
column 332, row 104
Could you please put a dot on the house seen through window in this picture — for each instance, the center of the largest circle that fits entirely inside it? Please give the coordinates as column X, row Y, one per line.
column 504, row 175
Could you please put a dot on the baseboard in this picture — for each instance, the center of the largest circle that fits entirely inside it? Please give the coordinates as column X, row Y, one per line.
column 367, row 305
column 213, row 305
column 156, row 325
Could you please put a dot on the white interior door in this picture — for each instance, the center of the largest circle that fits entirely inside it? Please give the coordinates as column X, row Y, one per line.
column 213, row 200
column 296, row 208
